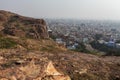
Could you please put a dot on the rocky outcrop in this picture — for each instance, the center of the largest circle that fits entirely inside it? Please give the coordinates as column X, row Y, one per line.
column 45, row 70
column 16, row 25
column 38, row 31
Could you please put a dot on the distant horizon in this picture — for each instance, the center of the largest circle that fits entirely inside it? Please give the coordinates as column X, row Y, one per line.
column 62, row 18
column 65, row 9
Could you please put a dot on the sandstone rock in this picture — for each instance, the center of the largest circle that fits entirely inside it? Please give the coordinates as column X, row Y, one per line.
column 83, row 71
column 4, row 79
column 16, row 25
column 50, row 70
column 31, row 70
column 39, row 31
column 45, row 70
column 13, row 78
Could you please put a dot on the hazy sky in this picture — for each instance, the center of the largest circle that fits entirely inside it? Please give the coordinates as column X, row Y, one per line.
column 79, row 9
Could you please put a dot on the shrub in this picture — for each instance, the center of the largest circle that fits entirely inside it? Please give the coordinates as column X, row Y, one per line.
column 7, row 43
column 110, row 51
column 81, row 48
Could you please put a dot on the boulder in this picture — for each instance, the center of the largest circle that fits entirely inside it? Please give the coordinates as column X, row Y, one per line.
column 45, row 70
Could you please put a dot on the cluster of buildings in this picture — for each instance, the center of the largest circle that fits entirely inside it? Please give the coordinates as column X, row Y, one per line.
column 72, row 32
column 110, row 43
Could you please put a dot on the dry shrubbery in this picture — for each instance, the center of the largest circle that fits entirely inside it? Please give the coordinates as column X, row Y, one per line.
column 7, row 43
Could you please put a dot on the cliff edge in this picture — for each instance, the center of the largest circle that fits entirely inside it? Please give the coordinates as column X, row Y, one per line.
column 20, row 26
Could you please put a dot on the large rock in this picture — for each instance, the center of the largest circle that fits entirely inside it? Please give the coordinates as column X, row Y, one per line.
column 16, row 25
column 45, row 70
column 39, row 31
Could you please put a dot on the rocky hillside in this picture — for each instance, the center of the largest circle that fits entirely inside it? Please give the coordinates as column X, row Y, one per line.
column 16, row 25
column 26, row 54
column 16, row 64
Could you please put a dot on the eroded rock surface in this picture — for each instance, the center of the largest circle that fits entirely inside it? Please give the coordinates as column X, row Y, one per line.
column 16, row 25
column 43, row 69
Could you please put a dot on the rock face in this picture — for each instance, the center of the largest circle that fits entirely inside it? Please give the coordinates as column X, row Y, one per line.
column 39, row 31
column 45, row 70
column 16, row 25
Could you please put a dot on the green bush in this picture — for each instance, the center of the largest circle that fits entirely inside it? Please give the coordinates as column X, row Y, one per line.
column 110, row 51
column 81, row 48
column 13, row 18
column 7, row 43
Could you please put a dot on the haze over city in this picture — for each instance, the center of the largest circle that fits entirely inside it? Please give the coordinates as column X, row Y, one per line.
column 73, row 9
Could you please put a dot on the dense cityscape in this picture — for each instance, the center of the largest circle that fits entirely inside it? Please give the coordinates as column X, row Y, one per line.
column 72, row 33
